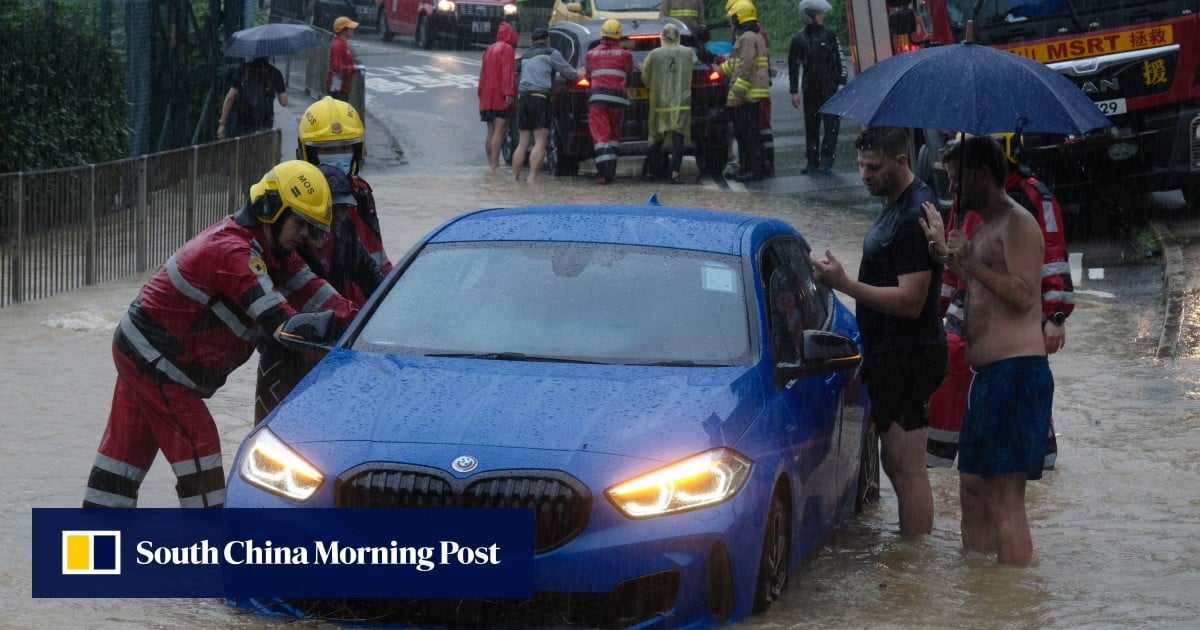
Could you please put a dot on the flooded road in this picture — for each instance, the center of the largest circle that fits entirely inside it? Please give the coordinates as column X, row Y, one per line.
column 1116, row 527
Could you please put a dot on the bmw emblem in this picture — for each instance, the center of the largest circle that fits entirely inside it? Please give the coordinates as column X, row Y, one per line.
column 465, row 464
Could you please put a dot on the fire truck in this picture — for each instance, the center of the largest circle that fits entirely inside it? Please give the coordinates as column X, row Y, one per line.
column 1138, row 60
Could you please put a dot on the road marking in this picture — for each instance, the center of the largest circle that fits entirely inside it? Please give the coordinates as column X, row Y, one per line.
column 416, row 79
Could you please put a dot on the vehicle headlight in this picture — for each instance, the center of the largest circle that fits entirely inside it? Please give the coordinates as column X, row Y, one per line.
column 273, row 466
column 698, row 481
column 510, row 9
column 446, row 6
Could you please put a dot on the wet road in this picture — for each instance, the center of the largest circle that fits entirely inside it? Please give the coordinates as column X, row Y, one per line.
column 1116, row 527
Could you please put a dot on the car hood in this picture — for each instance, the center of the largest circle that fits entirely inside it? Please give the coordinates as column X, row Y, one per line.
column 640, row 411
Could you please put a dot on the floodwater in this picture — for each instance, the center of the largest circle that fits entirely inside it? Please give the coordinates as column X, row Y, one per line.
column 1116, row 527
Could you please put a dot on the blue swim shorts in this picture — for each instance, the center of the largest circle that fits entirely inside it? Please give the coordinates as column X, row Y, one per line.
column 1007, row 421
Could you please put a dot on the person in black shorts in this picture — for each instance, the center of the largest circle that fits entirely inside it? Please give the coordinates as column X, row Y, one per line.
column 538, row 66
column 896, row 296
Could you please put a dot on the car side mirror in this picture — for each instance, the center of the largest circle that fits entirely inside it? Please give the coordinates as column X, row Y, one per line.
column 308, row 331
column 821, row 352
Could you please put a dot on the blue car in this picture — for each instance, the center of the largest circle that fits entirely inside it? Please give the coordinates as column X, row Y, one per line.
column 668, row 389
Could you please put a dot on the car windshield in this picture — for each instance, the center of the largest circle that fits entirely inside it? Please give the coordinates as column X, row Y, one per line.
column 628, row 5
column 565, row 302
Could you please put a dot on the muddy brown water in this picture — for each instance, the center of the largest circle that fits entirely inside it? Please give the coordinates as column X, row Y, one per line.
column 1116, row 527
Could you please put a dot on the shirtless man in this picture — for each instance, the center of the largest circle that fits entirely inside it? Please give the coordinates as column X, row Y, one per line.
column 1005, row 426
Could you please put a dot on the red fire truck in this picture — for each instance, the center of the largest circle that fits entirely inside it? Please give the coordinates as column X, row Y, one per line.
column 1139, row 60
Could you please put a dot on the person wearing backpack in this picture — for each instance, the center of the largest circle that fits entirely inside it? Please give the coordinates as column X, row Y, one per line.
column 249, row 99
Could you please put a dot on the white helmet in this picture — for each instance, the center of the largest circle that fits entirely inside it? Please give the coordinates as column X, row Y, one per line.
column 808, row 7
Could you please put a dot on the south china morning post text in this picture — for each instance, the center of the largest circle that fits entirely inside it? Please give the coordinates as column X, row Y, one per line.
column 303, row 553
column 332, row 552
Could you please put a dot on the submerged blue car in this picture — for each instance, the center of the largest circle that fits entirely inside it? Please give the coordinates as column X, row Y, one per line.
column 668, row 389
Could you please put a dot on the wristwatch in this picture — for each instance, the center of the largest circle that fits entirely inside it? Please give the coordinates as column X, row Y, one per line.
column 1059, row 318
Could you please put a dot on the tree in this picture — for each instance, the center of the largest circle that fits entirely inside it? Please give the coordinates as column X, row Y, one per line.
column 64, row 99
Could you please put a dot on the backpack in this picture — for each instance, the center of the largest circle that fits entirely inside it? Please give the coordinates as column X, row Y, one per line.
column 254, row 107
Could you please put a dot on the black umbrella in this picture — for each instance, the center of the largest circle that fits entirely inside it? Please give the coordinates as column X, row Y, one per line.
column 967, row 87
column 269, row 40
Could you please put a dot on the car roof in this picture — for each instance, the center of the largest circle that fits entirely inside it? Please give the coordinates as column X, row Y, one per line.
column 647, row 225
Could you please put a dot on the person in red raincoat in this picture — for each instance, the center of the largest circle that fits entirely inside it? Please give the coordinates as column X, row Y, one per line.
column 199, row 317
column 497, row 90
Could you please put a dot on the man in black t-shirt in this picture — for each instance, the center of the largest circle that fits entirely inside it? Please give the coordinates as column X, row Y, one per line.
column 251, row 98
column 896, row 297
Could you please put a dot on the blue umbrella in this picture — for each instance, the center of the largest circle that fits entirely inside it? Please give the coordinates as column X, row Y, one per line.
column 270, row 40
column 967, row 87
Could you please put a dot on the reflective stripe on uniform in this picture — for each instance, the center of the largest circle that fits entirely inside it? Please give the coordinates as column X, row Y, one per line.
column 188, row 466
column 151, row 355
column 319, row 298
column 605, row 72
column 213, row 499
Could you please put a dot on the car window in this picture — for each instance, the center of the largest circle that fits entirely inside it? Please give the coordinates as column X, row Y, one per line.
column 796, row 302
column 628, row 5
column 570, row 301
column 565, row 45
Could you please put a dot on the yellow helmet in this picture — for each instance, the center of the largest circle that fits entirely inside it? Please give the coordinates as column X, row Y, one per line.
column 330, row 123
column 1011, row 142
column 294, row 185
column 611, row 29
column 729, row 6
column 743, row 11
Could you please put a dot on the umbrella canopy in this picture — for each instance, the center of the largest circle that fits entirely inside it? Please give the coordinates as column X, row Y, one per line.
column 269, row 40
column 967, row 87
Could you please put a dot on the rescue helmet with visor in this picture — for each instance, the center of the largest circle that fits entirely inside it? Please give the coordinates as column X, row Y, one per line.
column 330, row 126
column 295, row 186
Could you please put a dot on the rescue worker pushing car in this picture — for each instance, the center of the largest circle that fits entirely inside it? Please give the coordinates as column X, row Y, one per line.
column 339, row 258
column 331, row 132
column 607, row 66
column 197, row 319
column 748, row 70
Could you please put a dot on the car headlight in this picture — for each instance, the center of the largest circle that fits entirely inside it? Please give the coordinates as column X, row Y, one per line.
column 446, row 6
column 273, row 466
column 510, row 9
column 698, row 481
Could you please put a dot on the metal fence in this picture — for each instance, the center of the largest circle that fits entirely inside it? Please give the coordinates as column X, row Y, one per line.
column 65, row 228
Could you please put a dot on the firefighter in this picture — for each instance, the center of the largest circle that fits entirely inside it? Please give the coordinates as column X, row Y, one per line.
column 748, row 69
column 197, row 319
column 1058, row 301
column 339, row 258
column 606, row 67
column 331, row 132
column 690, row 12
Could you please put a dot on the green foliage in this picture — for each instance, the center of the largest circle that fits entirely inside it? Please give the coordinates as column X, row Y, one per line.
column 64, row 100
column 782, row 20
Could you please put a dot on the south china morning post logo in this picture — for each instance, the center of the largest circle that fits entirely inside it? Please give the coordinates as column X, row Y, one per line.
column 313, row 553
column 91, row 552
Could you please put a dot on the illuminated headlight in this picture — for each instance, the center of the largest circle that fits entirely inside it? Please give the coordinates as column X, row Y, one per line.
column 1121, row 151
column 698, row 481
column 273, row 466
column 446, row 6
column 510, row 9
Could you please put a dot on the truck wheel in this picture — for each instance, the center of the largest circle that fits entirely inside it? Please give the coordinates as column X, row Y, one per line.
column 381, row 26
column 424, row 38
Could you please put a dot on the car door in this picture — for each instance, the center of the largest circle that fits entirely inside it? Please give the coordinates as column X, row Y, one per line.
column 811, row 406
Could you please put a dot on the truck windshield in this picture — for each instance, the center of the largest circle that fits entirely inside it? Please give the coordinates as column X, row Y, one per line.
column 999, row 22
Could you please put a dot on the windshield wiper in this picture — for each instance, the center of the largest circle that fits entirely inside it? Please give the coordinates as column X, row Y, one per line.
column 509, row 356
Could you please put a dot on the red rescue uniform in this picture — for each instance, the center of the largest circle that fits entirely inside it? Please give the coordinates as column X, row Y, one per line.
column 196, row 320
column 607, row 67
